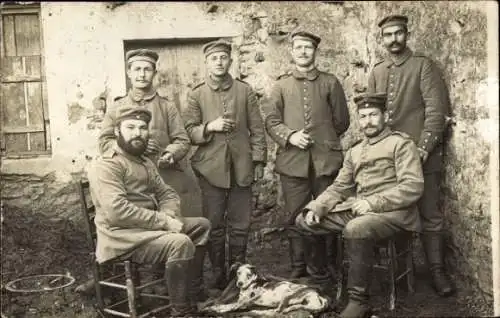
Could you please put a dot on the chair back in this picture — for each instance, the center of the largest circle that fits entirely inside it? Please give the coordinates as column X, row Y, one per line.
column 87, row 209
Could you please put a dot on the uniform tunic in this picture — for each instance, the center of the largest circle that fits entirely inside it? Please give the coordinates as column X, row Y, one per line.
column 218, row 152
column 132, row 202
column 314, row 102
column 384, row 170
column 417, row 100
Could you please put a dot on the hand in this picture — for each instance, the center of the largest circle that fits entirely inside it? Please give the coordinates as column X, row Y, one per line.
column 174, row 225
column 166, row 160
column 361, row 207
column 153, row 147
column 311, row 218
column 301, row 139
column 221, row 125
column 258, row 171
column 423, row 155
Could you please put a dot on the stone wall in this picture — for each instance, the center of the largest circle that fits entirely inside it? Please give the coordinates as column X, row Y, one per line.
column 83, row 47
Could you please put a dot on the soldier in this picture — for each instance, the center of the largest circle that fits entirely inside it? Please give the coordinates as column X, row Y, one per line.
column 138, row 215
column 384, row 175
column 223, row 119
column 306, row 116
column 168, row 143
column 418, row 103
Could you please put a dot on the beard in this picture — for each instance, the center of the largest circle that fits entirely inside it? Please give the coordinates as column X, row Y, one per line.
column 130, row 148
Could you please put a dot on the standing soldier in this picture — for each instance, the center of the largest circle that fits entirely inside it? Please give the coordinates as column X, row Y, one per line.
column 306, row 116
column 418, row 103
column 223, row 119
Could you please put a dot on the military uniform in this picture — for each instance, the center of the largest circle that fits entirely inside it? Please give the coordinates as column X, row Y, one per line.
column 315, row 102
column 132, row 203
column 168, row 130
column 384, row 170
column 418, row 103
column 224, row 161
column 134, row 208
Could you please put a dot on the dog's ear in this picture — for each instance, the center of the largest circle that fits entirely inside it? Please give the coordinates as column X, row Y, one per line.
column 234, row 267
column 232, row 270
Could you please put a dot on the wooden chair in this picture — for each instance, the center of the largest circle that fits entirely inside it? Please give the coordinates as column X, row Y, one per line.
column 387, row 261
column 121, row 278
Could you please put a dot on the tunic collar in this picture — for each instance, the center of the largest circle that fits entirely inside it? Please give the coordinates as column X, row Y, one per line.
column 138, row 95
column 383, row 134
column 400, row 58
column 224, row 84
column 311, row 75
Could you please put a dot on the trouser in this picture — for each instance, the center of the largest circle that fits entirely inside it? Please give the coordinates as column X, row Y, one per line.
column 361, row 233
column 431, row 215
column 315, row 251
column 179, row 256
column 173, row 246
column 230, row 212
column 433, row 240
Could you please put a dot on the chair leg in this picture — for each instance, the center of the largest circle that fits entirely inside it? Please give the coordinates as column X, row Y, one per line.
column 98, row 291
column 392, row 274
column 130, row 290
column 410, row 265
column 340, row 268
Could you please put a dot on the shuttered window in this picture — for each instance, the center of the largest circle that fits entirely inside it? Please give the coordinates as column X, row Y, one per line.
column 24, row 114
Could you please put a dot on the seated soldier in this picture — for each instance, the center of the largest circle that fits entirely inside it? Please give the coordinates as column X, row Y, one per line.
column 138, row 215
column 384, row 175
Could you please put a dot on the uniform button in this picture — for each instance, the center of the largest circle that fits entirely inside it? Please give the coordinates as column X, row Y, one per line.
column 425, row 140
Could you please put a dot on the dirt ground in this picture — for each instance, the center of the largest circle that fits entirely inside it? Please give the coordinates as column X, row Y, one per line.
column 33, row 245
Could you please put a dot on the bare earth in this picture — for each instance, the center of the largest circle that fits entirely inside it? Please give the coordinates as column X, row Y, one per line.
column 33, row 245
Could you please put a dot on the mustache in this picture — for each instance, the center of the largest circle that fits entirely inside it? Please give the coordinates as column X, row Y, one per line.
column 395, row 44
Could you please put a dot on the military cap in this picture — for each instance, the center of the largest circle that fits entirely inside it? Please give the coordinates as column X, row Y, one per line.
column 142, row 55
column 392, row 20
column 133, row 112
column 305, row 35
column 377, row 100
column 217, row 46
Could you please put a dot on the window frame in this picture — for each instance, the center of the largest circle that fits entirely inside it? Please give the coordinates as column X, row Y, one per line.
column 13, row 9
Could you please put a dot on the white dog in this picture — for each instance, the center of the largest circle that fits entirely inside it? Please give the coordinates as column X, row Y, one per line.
column 275, row 296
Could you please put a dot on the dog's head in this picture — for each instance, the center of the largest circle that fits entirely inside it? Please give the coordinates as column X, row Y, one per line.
column 245, row 275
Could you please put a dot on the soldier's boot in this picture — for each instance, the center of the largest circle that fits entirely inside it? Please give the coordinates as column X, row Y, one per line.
column 158, row 271
column 297, row 255
column 237, row 246
column 217, row 255
column 316, row 259
column 177, row 277
column 197, row 292
column 433, row 244
column 361, row 254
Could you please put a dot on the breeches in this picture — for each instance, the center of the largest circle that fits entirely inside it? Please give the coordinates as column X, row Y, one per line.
column 173, row 246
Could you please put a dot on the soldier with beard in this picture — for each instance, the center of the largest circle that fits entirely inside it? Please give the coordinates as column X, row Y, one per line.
column 138, row 215
column 418, row 103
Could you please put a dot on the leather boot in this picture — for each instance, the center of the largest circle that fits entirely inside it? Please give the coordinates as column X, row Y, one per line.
column 158, row 273
column 197, row 291
column 317, row 260
column 297, row 256
column 217, row 255
column 177, row 276
column 361, row 254
column 433, row 244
